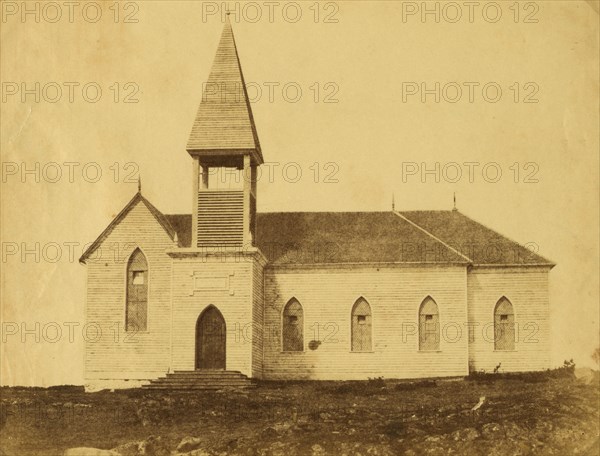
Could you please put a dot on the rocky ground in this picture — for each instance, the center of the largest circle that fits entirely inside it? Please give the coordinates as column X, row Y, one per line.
column 538, row 413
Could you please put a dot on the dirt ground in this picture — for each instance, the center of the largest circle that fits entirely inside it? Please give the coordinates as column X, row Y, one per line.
column 537, row 413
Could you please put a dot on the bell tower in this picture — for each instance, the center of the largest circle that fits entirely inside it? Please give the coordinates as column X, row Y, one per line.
column 226, row 152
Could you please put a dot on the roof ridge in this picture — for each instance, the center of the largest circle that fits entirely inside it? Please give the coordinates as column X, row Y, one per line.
column 325, row 212
column 430, row 210
column 434, row 237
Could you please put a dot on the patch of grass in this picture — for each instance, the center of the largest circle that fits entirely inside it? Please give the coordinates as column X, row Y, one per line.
column 410, row 386
column 566, row 371
column 394, row 428
column 375, row 416
column 355, row 387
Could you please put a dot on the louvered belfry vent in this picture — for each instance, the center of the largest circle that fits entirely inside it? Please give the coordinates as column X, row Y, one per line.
column 220, row 218
column 226, row 152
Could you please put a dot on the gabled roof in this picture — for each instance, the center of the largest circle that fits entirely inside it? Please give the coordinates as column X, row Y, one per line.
column 479, row 243
column 378, row 237
column 159, row 216
column 288, row 238
column 347, row 237
column 224, row 123
column 313, row 238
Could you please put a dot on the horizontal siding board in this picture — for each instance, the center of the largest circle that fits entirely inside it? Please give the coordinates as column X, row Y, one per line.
column 124, row 354
column 394, row 294
column 527, row 290
column 251, row 300
column 234, row 301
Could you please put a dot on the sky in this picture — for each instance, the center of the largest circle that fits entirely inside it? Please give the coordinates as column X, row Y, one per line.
column 354, row 102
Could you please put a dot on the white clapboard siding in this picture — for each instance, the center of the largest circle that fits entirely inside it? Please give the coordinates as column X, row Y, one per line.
column 257, row 318
column 227, row 284
column 394, row 294
column 117, row 354
column 527, row 289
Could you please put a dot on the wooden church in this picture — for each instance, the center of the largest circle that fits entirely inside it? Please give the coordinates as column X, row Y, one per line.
column 227, row 293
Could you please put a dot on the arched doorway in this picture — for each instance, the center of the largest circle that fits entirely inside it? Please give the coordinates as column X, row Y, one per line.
column 211, row 338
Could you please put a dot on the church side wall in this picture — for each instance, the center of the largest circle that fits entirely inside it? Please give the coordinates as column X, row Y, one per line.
column 111, row 353
column 527, row 289
column 394, row 294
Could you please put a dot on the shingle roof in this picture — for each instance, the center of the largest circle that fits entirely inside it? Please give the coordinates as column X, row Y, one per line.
column 347, row 237
column 224, row 121
column 435, row 237
column 338, row 237
column 182, row 224
column 309, row 238
column 474, row 240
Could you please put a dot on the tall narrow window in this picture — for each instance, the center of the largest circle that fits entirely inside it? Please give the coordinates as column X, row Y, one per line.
column 136, row 317
column 361, row 326
column 504, row 325
column 293, row 326
column 429, row 325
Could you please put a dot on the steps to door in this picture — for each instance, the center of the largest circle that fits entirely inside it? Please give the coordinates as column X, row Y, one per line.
column 202, row 379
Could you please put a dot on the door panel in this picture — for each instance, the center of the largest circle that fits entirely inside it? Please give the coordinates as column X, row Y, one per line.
column 210, row 340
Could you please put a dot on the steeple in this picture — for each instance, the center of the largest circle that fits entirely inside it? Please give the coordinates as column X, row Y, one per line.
column 224, row 121
column 226, row 152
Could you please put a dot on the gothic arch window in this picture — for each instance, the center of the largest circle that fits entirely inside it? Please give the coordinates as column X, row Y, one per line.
column 504, row 325
column 293, row 326
column 361, row 326
column 136, row 314
column 429, row 325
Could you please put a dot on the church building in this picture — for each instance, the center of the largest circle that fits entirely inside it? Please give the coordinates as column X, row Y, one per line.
column 300, row 295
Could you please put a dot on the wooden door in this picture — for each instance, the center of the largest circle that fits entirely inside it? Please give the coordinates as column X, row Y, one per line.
column 210, row 340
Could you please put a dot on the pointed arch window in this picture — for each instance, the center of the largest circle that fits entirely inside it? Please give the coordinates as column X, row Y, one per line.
column 293, row 326
column 361, row 326
column 429, row 325
column 504, row 325
column 136, row 318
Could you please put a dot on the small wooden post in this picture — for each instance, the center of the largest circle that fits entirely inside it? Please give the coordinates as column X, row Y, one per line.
column 195, row 189
column 247, row 188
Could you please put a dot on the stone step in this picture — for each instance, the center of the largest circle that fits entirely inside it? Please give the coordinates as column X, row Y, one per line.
column 214, row 378
column 199, row 384
column 206, row 371
column 205, row 375
column 201, row 380
column 195, row 388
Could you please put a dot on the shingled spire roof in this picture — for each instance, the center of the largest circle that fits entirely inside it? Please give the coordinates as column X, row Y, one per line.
column 224, row 123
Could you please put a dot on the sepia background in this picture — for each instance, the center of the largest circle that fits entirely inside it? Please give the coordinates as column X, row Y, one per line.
column 352, row 61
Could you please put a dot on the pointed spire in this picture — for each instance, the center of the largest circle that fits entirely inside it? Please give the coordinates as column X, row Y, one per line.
column 224, row 121
column 454, row 208
column 393, row 202
column 139, row 183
